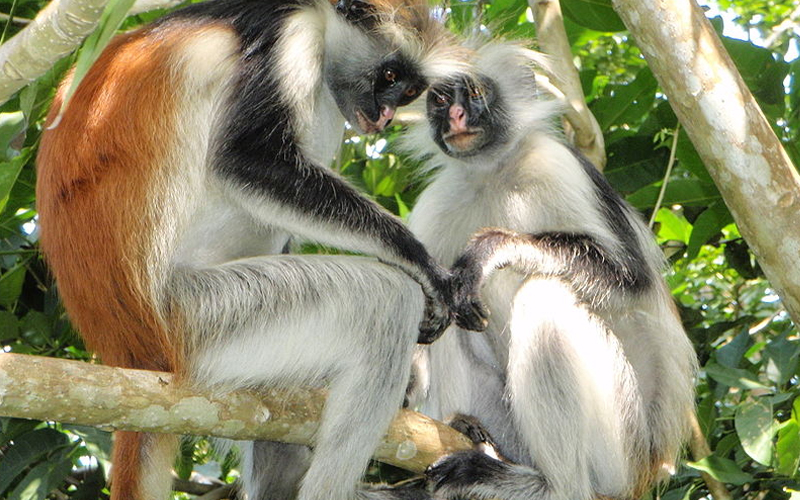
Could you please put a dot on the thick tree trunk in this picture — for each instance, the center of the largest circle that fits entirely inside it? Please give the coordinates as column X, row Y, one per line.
column 43, row 388
column 747, row 161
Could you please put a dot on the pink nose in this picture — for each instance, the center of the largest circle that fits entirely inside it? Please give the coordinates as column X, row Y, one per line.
column 458, row 117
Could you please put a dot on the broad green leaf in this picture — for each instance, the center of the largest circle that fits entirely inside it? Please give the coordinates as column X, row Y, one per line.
column 733, row 377
column 722, row 469
column 42, row 479
column 626, row 104
column 9, row 326
column 11, row 125
column 689, row 158
column 731, row 353
column 598, row 15
column 9, row 173
column 36, row 328
column 27, row 450
column 679, row 192
column 708, row 225
column 756, row 428
column 781, row 359
column 634, row 162
column 109, row 23
column 11, row 285
column 788, row 448
column 672, row 227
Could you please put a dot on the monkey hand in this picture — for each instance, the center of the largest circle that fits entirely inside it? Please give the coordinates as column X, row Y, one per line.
column 469, row 310
column 437, row 319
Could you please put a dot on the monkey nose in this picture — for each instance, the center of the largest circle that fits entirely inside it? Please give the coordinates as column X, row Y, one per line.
column 458, row 118
column 387, row 114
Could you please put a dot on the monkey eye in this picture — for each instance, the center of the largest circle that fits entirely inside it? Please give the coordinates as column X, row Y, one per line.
column 390, row 75
column 476, row 92
column 439, row 98
column 411, row 91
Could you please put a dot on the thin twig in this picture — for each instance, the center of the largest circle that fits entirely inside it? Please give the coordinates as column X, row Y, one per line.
column 668, row 173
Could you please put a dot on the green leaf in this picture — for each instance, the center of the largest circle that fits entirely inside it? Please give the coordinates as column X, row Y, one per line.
column 733, row 377
column 679, row 192
column 109, row 23
column 722, row 469
column 626, row 104
column 11, row 125
column 634, row 162
column 402, row 209
column 672, row 227
column 9, row 326
column 708, row 225
column 36, row 328
column 788, row 448
column 11, row 285
column 27, row 450
column 756, row 428
column 9, row 172
column 731, row 353
column 42, row 479
column 598, row 15
column 781, row 357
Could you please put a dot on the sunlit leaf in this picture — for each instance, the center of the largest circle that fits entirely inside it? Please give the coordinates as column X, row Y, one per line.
column 722, row 469
column 756, row 429
column 27, row 450
column 733, row 377
column 598, row 15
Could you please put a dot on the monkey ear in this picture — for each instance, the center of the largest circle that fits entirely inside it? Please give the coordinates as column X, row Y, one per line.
column 359, row 12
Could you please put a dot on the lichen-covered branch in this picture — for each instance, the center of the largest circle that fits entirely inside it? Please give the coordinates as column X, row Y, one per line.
column 55, row 32
column 745, row 158
column 42, row 388
column 552, row 38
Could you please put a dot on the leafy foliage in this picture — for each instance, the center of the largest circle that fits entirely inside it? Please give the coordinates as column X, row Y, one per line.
column 747, row 391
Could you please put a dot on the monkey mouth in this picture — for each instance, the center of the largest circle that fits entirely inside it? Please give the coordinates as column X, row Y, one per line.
column 462, row 140
column 368, row 126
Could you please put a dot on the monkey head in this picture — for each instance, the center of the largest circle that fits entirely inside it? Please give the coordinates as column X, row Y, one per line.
column 388, row 62
column 466, row 116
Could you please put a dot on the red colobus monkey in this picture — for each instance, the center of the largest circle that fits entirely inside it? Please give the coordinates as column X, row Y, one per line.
column 584, row 375
column 189, row 155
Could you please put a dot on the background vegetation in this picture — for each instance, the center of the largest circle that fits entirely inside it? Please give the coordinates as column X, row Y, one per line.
column 747, row 391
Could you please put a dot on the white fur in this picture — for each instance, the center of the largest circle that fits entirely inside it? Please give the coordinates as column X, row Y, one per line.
column 584, row 393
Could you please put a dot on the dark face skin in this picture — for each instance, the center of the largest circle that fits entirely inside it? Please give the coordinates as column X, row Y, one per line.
column 466, row 116
column 369, row 89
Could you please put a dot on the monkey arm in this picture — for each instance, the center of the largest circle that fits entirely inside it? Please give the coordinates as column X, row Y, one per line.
column 594, row 272
column 312, row 202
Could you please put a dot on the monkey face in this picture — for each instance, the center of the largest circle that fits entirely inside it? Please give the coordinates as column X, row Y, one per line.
column 369, row 71
column 368, row 99
column 466, row 116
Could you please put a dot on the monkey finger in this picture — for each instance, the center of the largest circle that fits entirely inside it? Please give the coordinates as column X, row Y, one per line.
column 436, row 321
column 473, row 316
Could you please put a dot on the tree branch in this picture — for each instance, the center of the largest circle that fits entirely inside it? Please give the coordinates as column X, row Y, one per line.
column 746, row 160
column 56, row 31
column 553, row 41
column 139, row 400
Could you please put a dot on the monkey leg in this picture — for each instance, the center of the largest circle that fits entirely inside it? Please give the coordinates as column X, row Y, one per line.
column 348, row 323
column 573, row 402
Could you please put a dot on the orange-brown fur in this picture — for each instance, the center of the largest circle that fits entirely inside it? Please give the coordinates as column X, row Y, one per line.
column 98, row 202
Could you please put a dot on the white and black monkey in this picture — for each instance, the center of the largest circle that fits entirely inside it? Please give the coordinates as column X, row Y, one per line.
column 584, row 374
column 189, row 155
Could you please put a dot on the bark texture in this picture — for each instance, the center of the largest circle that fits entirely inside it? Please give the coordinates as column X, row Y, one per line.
column 41, row 388
column 55, row 32
column 733, row 137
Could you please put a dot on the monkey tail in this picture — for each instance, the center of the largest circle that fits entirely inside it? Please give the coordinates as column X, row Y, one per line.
column 142, row 465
